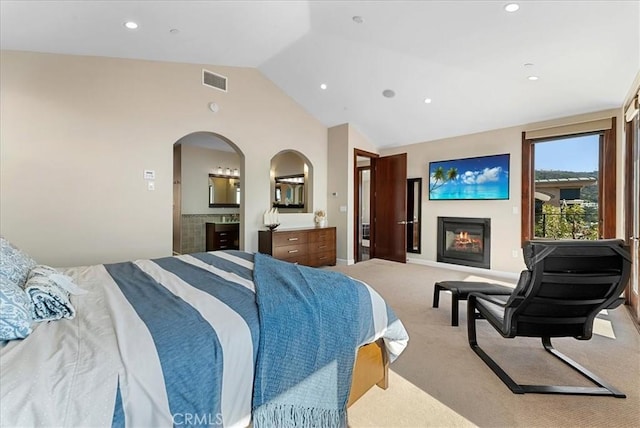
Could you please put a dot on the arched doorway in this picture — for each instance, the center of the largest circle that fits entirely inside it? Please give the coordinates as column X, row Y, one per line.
column 197, row 158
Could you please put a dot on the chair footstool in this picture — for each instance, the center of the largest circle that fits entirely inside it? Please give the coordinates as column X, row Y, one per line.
column 460, row 291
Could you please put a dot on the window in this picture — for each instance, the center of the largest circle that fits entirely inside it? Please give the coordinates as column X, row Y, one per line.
column 593, row 211
column 569, row 194
column 566, row 187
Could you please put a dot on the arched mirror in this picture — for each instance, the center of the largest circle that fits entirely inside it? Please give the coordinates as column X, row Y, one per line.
column 291, row 178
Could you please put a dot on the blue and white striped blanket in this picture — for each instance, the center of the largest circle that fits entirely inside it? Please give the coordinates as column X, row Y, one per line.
column 164, row 342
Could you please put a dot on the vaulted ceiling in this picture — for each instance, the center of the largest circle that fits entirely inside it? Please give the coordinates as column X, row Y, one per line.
column 471, row 59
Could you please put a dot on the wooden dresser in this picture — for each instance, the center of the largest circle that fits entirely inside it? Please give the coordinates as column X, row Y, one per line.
column 311, row 247
column 222, row 236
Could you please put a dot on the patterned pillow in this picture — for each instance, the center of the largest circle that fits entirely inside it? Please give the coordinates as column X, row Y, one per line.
column 15, row 311
column 14, row 264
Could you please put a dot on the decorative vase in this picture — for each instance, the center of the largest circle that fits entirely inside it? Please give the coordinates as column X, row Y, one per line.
column 321, row 222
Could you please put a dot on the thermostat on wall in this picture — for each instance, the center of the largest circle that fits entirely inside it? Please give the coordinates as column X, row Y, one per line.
column 149, row 174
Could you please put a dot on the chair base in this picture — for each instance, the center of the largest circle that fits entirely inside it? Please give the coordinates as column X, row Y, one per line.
column 603, row 388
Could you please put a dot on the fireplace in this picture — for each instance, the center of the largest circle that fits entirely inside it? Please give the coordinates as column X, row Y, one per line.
column 465, row 241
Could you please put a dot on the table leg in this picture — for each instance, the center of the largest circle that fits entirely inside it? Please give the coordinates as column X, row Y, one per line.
column 454, row 308
column 436, row 294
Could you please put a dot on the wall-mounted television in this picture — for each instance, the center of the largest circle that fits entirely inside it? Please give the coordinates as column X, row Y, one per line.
column 478, row 178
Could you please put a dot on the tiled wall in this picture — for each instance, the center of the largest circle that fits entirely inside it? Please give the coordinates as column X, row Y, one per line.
column 193, row 231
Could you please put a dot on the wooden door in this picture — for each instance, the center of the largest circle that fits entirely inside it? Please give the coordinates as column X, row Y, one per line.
column 390, row 208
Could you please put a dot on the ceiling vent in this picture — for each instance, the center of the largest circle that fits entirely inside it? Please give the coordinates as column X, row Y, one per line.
column 214, row 80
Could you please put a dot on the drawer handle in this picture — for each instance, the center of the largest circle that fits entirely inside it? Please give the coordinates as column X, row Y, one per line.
column 293, row 251
column 322, row 246
column 293, row 239
column 223, row 233
column 323, row 257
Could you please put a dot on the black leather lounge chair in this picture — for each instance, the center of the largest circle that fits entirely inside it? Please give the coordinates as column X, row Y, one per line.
column 566, row 285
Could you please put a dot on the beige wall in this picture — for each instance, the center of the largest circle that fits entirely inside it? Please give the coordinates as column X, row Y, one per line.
column 78, row 132
column 505, row 224
column 505, row 215
column 287, row 163
column 197, row 164
column 338, row 186
column 343, row 139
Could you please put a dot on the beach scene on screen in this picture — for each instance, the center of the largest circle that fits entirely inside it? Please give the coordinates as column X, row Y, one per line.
column 485, row 177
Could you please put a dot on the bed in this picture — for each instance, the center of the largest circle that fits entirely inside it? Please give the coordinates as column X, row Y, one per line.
column 201, row 340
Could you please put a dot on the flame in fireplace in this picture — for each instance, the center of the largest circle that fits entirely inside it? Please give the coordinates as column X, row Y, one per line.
column 464, row 242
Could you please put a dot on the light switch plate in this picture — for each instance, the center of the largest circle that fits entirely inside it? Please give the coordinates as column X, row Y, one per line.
column 149, row 174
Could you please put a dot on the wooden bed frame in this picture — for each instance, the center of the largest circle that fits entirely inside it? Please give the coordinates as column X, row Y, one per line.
column 371, row 368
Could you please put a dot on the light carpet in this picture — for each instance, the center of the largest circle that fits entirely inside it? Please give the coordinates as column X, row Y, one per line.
column 440, row 382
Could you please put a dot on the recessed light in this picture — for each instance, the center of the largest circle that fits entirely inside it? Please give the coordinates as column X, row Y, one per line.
column 532, row 77
column 323, row 86
column 511, row 7
column 388, row 93
column 358, row 19
column 130, row 25
column 427, row 100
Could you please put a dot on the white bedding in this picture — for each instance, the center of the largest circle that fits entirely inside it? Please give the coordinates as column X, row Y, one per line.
column 69, row 372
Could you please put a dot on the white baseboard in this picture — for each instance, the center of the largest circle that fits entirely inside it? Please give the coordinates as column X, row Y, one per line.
column 489, row 272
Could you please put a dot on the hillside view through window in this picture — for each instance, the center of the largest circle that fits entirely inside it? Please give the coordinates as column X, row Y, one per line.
column 566, row 188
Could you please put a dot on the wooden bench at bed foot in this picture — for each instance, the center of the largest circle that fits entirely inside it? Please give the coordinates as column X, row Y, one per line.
column 460, row 291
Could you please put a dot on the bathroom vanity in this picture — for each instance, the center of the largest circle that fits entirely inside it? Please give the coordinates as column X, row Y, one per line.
column 222, row 236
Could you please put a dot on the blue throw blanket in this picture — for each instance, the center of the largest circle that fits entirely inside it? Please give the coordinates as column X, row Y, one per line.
column 309, row 334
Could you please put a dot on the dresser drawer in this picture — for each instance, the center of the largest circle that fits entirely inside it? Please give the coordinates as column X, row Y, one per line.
column 289, row 238
column 317, row 247
column 299, row 259
column 322, row 235
column 225, row 240
column 286, row 251
column 322, row 258
column 311, row 247
column 226, row 235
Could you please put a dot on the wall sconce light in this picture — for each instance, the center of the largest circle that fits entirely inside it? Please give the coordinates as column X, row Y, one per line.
column 227, row 171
